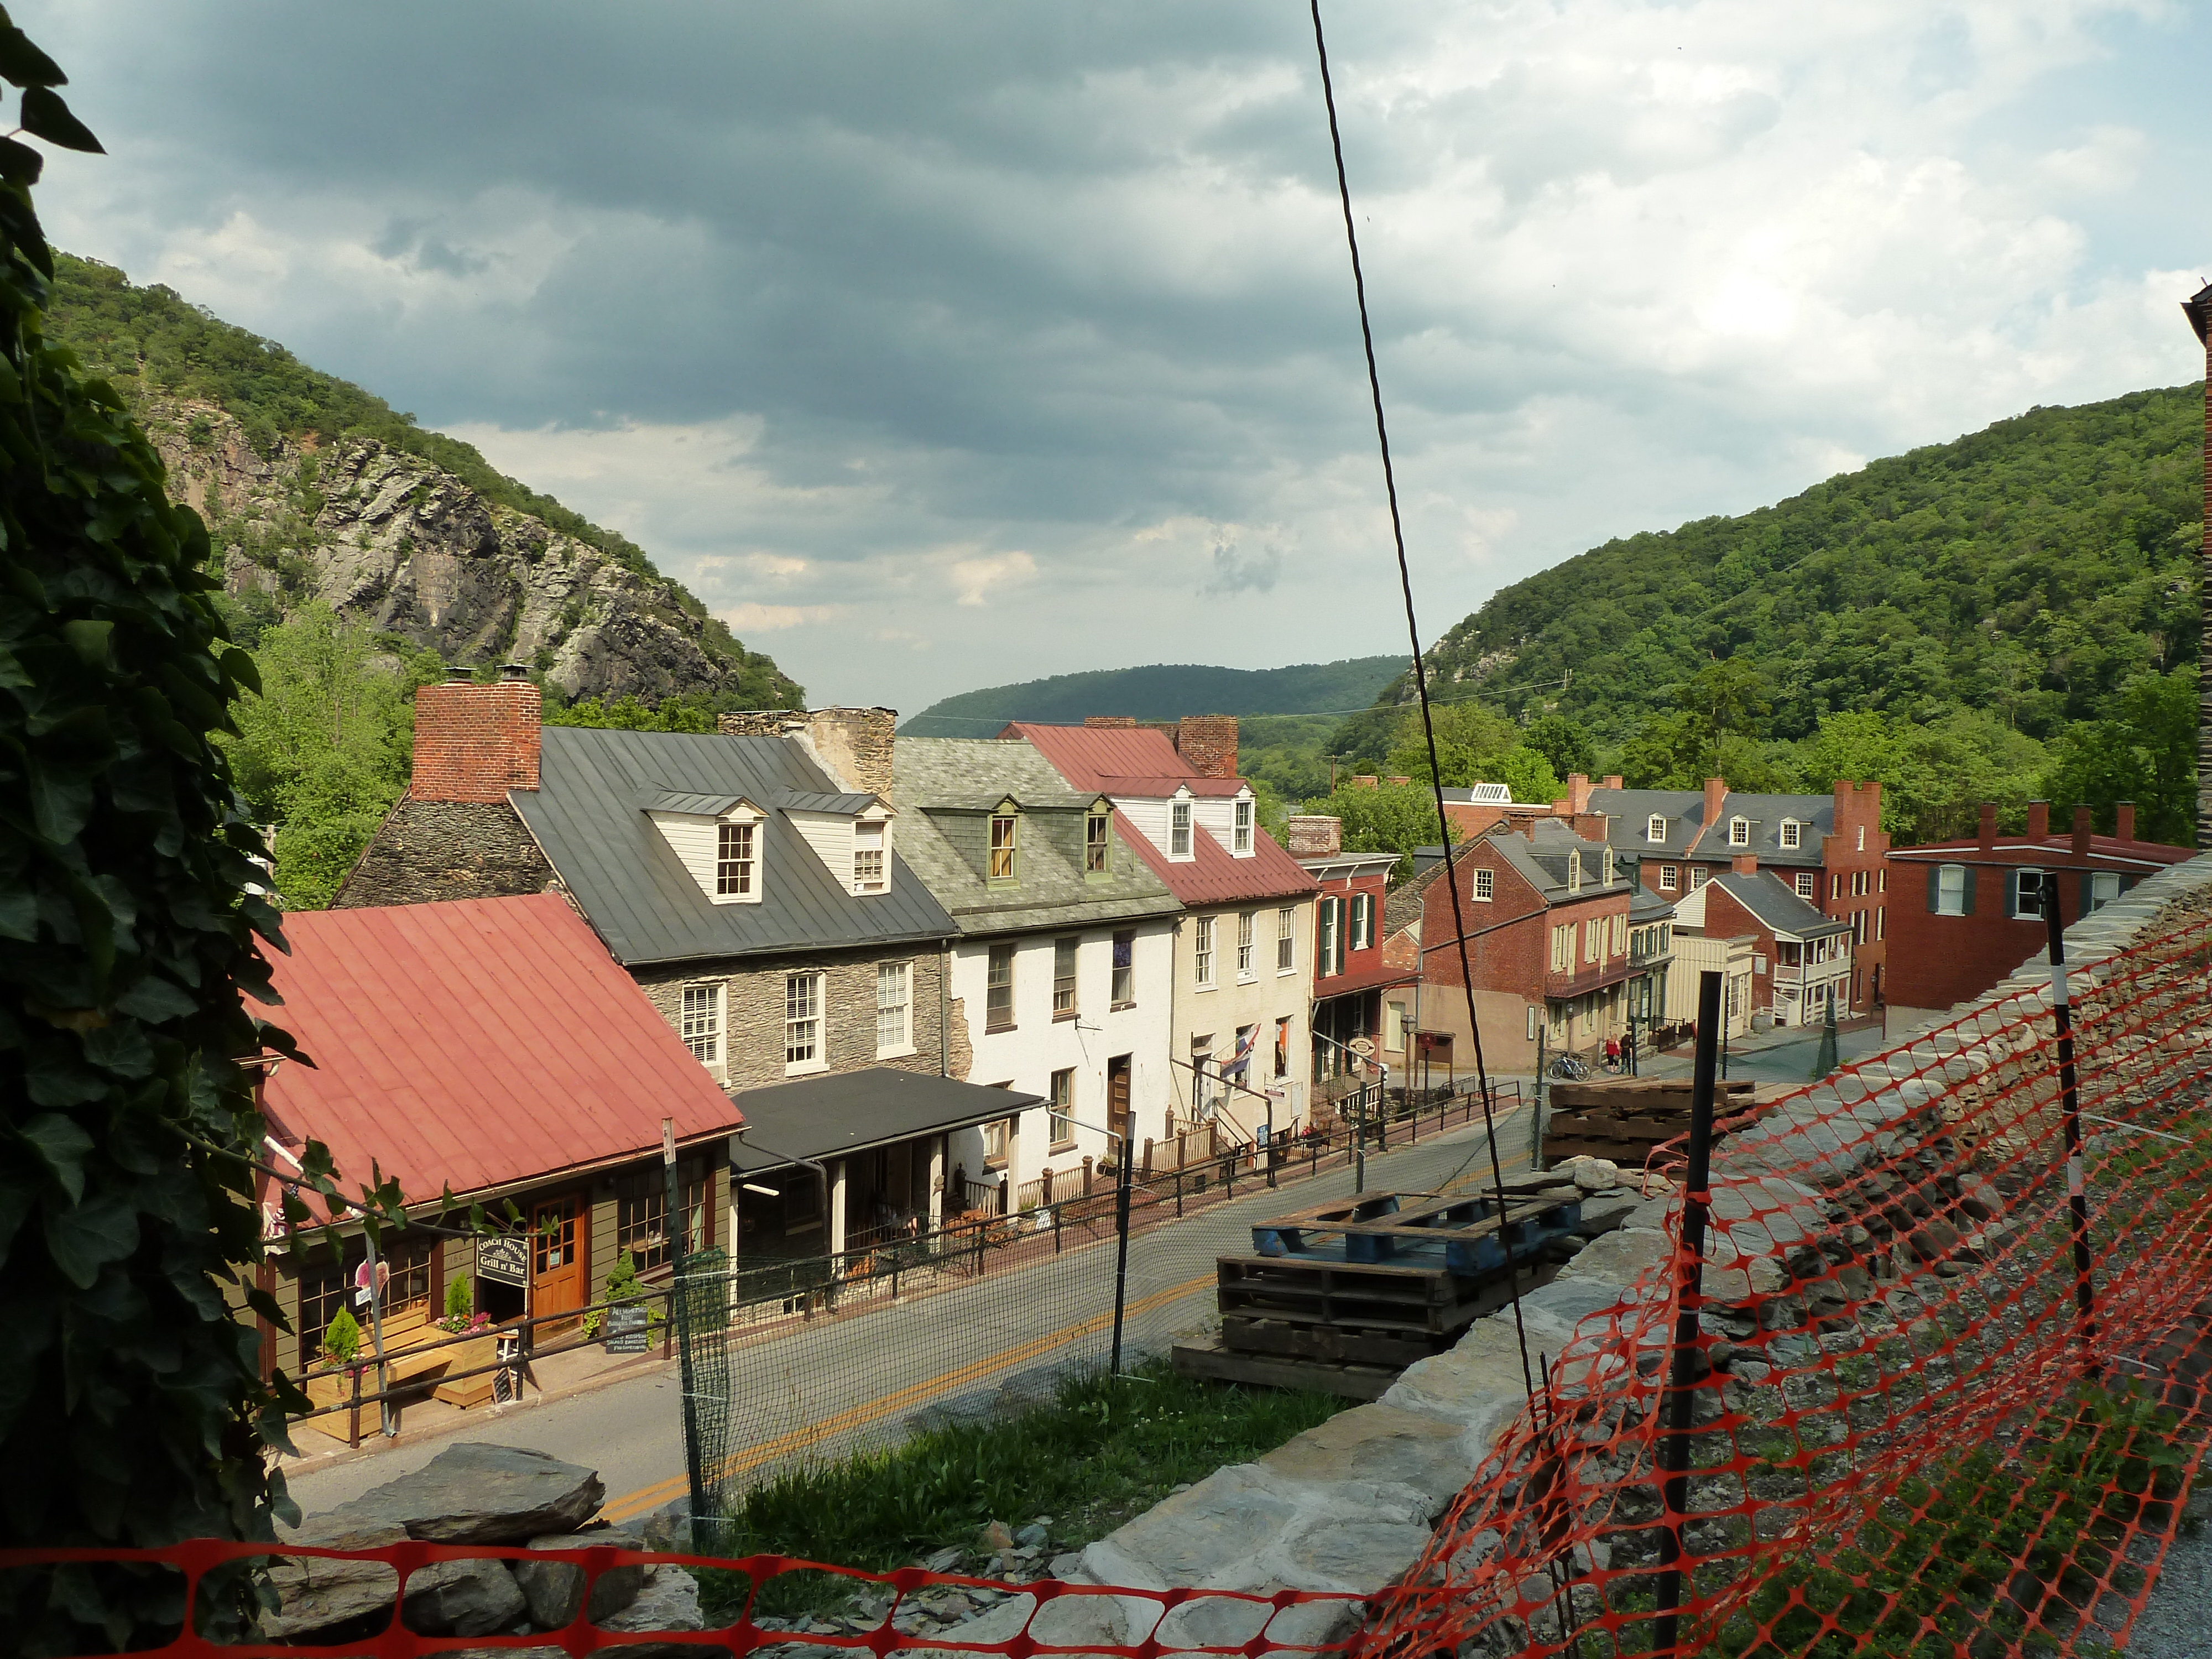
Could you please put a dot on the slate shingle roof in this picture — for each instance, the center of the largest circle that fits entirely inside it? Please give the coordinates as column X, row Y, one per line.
column 588, row 814
column 1688, row 835
column 1768, row 897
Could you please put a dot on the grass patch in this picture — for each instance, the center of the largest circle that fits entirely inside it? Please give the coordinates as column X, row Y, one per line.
column 1104, row 1451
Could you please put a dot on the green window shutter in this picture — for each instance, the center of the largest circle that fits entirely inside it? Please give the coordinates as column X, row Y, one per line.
column 1935, row 889
column 1972, row 873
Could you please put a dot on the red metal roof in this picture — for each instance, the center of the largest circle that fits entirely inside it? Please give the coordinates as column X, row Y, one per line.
column 1120, row 760
column 479, row 1043
column 2052, row 850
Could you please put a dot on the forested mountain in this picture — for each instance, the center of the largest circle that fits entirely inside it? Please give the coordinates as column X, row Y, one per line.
column 2012, row 612
column 1162, row 692
column 317, row 490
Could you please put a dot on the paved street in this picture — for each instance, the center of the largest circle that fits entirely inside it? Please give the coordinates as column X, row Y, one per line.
column 868, row 1375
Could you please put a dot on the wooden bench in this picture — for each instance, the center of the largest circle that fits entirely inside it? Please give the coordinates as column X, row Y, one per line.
column 408, row 1361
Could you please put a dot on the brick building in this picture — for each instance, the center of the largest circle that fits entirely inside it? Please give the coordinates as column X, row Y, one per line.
column 1829, row 850
column 1801, row 960
column 1559, row 938
column 1359, row 991
column 1967, row 913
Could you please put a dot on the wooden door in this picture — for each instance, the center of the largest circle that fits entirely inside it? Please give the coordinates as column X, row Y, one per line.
column 1117, row 1097
column 556, row 1266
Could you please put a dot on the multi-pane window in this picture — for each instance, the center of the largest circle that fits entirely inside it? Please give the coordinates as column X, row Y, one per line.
column 1862, row 883
column 1697, row 877
column 703, row 1022
column 802, row 1019
column 1004, row 826
column 1063, row 980
column 1332, row 938
column 1098, row 844
column 1951, row 891
column 2104, row 888
column 1806, row 882
column 1247, row 929
column 1739, row 832
column 1562, row 948
column 1655, row 828
column 733, row 861
column 996, row 1138
column 1593, row 940
column 2027, row 890
column 1124, row 991
column 1668, row 877
column 1286, row 940
column 1062, row 1131
column 999, row 990
column 1792, row 835
column 641, row 1212
column 1608, row 867
column 1363, row 920
column 1202, row 949
column 1243, row 842
column 1179, row 829
column 894, row 1006
column 410, row 1260
column 868, row 862
column 1574, row 872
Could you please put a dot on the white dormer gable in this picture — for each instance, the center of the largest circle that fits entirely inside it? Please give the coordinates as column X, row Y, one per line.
column 1655, row 829
column 1793, row 835
column 1609, row 864
column 1575, row 871
column 719, row 839
column 1739, row 829
column 1182, row 842
column 850, row 834
column 1243, row 825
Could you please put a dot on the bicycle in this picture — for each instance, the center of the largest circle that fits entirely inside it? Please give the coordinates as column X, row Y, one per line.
column 1572, row 1068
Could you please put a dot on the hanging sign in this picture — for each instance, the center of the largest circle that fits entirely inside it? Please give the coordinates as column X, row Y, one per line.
column 504, row 1259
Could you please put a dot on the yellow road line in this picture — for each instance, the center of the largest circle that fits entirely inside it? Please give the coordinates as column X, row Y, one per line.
column 648, row 1497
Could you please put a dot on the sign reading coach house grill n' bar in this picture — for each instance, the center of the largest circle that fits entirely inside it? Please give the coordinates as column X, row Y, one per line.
column 494, row 1047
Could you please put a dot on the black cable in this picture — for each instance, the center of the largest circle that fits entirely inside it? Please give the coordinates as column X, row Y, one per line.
column 1421, row 686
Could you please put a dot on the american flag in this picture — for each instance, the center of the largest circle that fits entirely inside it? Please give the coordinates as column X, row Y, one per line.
column 1242, row 1055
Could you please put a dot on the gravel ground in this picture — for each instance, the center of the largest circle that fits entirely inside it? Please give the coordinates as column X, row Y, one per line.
column 2177, row 1622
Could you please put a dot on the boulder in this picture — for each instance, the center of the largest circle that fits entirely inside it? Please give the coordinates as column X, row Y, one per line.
column 461, row 1598
column 670, row 1602
column 480, row 1494
column 555, row 1589
column 1379, row 1443
column 316, row 1594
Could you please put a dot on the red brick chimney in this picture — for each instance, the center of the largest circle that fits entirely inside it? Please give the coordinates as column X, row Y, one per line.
column 2039, row 819
column 2123, row 825
column 474, row 743
column 1578, row 793
column 1365, row 780
column 1715, row 797
column 1313, row 836
column 1207, row 744
column 1745, row 864
column 1986, row 838
column 2082, row 830
column 1611, row 780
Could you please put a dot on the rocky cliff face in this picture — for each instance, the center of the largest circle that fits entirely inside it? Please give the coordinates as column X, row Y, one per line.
column 390, row 541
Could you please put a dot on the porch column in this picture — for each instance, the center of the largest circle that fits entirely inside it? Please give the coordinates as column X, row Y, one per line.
column 837, row 1206
column 936, row 1182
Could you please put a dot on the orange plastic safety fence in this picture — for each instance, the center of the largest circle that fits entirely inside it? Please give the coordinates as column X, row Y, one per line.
column 1049, row 1616
column 1905, row 1437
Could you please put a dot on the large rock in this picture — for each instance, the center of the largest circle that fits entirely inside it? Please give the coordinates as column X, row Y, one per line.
column 1477, row 1384
column 462, row 1598
column 480, row 1494
column 1378, row 1443
column 315, row 1594
column 670, row 1602
column 555, row 1589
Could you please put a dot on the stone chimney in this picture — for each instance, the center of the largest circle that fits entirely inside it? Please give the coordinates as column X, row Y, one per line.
column 1315, row 836
column 1207, row 744
column 853, row 745
column 1578, row 793
column 1117, row 721
column 2124, row 816
column 1715, row 797
column 2083, row 828
column 1985, row 837
column 2039, row 819
column 1745, row 864
column 474, row 743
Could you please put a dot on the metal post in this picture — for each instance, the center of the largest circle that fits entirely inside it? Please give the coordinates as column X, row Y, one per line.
column 1689, row 1282
column 1359, row 1140
column 376, row 1330
column 1121, row 1255
column 2069, row 1098
column 674, row 1226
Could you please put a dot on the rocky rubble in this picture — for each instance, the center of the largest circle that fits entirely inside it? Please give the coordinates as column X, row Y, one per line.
column 477, row 1494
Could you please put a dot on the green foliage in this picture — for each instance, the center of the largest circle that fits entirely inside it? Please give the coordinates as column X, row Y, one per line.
column 2025, row 575
column 1933, row 776
column 1105, row 1448
column 621, row 1281
column 1164, row 692
column 1563, row 743
column 322, row 750
column 341, row 1337
column 692, row 713
column 131, row 1408
column 2144, row 752
column 1473, row 746
column 460, row 1299
column 1391, row 817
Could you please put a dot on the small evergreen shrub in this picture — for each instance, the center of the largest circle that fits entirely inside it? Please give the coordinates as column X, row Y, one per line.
column 342, row 1341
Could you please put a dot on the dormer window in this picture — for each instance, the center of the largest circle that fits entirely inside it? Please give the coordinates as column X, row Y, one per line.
column 1241, row 846
column 1608, row 867
column 1574, row 872
column 1793, row 835
column 1005, row 830
column 733, row 861
column 1097, row 843
column 1739, row 832
column 1179, row 829
column 871, row 861
column 1655, row 829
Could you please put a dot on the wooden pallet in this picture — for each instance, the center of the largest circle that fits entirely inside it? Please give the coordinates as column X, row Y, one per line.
column 1465, row 1235
column 1622, row 1121
column 1211, row 1361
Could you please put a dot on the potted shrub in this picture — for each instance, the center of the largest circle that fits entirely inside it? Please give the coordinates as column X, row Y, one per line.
column 341, row 1346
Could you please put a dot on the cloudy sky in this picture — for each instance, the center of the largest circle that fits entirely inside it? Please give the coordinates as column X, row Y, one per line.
column 938, row 345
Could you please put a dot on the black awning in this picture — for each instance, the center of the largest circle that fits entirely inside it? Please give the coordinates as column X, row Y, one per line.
column 834, row 1116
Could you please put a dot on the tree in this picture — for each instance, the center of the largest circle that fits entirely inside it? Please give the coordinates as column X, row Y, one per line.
column 1566, row 746
column 1392, row 818
column 132, row 1411
column 2147, row 754
column 1473, row 746
column 1726, row 696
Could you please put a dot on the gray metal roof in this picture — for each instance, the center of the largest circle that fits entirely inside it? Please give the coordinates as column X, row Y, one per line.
column 1769, row 897
column 1628, row 813
column 945, row 786
column 588, row 813
column 695, row 806
column 843, row 1113
column 844, row 804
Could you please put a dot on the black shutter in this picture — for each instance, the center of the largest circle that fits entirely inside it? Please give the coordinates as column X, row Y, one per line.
column 1934, row 888
column 1970, row 874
